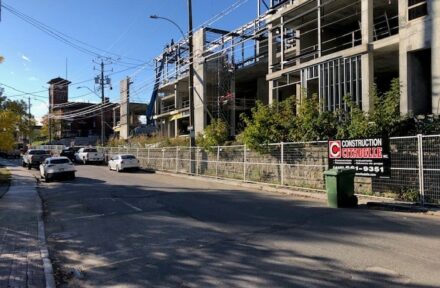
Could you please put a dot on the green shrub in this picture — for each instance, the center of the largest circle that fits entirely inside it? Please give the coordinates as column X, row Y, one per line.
column 216, row 134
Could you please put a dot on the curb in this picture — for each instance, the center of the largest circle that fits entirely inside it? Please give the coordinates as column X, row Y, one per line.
column 308, row 193
column 47, row 264
column 314, row 194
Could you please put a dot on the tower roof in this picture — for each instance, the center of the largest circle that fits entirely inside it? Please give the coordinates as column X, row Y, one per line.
column 59, row 80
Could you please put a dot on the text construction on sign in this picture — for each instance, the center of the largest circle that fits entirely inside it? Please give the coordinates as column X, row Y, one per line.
column 368, row 157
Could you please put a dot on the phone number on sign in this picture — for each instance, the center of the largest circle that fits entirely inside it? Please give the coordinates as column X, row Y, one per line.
column 371, row 169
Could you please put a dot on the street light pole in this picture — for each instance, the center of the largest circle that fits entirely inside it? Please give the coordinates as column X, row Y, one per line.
column 192, row 138
column 171, row 21
column 191, row 78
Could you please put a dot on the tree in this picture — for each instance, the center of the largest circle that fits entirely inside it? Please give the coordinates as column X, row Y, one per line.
column 8, row 126
column 2, row 59
column 24, row 124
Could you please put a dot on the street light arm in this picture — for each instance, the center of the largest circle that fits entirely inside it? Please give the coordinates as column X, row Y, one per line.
column 171, row 21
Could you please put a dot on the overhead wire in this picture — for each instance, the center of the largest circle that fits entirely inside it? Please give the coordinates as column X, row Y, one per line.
column 148, row 85
column 63, row 37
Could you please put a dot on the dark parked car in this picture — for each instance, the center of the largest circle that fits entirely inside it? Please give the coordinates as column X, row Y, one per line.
column 70, row 152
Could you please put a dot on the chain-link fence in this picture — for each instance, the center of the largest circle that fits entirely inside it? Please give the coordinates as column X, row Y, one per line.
column 415, row 166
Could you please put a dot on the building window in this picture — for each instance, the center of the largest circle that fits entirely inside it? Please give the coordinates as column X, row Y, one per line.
column 417, row 9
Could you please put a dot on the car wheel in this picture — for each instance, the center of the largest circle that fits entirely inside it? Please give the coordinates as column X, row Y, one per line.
column 29, row 166
column 46, row 178
column 23, row 164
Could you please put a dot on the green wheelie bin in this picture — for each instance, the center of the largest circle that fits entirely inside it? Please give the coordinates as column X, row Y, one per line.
column 340, row 188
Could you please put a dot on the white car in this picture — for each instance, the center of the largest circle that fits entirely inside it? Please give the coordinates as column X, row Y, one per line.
column 86, row 155
column 123, row 162
column 57, row 167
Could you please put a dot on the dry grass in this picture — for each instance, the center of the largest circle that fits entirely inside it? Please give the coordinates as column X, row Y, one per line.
column 5, row 176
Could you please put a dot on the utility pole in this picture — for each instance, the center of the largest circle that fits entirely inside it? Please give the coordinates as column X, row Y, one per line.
column 49, row 114
column 102, row 104
column 192, row 138
column 29, row 120
column 102, row 81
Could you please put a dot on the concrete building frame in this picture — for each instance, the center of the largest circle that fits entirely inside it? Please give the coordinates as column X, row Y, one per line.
column 299, row 48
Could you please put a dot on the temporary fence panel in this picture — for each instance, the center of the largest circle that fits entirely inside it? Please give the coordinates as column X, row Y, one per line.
column 415, row 167
column 430, row 150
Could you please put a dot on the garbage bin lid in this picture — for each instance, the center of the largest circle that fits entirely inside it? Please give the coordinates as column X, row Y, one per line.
column 339, row 171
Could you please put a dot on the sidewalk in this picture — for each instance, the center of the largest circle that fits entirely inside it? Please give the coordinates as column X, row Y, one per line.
column 22, row 245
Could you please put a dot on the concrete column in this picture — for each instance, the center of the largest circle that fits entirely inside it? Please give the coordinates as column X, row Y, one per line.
column 179, row 88
column 200, row 74
column 318, row 2
column 403, row 57
column 262, row 90
column 367, row 60
column 271, row 50
column 299, row 92
column 272, row 92
column 435, row 56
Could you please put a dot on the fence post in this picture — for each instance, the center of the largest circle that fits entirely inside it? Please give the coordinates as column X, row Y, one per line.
column 244, row 162
column 137, row 153
column 163, row 157
column 177, row 159
column 216, row 162
column 197, row 150
column 421, row 166
column 282, row 163
column 148, row 157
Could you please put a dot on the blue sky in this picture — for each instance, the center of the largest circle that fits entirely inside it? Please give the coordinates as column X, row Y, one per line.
column 32, row 57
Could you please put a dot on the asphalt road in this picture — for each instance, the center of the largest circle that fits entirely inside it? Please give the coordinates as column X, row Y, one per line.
column 147, row 230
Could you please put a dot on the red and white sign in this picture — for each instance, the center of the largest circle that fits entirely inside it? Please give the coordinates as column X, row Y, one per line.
column 335, row 149
column 369, row 157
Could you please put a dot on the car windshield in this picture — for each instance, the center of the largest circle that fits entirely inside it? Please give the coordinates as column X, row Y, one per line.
column 128, row 157
column 37, row 152
column 59, row 161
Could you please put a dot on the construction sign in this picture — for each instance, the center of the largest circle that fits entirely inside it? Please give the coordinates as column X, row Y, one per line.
column 368, row 157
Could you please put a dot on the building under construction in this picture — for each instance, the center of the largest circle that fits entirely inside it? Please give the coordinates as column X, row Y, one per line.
column 300, row 48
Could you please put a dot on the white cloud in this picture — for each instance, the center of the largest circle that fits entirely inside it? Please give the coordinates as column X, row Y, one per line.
column 25, row 58
column 39, row 110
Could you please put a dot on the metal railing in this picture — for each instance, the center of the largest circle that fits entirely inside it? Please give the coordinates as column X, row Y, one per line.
column 415, row 171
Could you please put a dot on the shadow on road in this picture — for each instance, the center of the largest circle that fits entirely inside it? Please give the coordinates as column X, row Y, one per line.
column 163, row 236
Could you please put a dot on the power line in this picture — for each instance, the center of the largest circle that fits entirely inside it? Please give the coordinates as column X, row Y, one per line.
column 81, row 46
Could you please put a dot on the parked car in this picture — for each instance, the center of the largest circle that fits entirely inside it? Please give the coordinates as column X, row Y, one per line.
column 122, row 162
column 87, row 155
column 57, row 167
column 34, row 157
column 69, row 152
